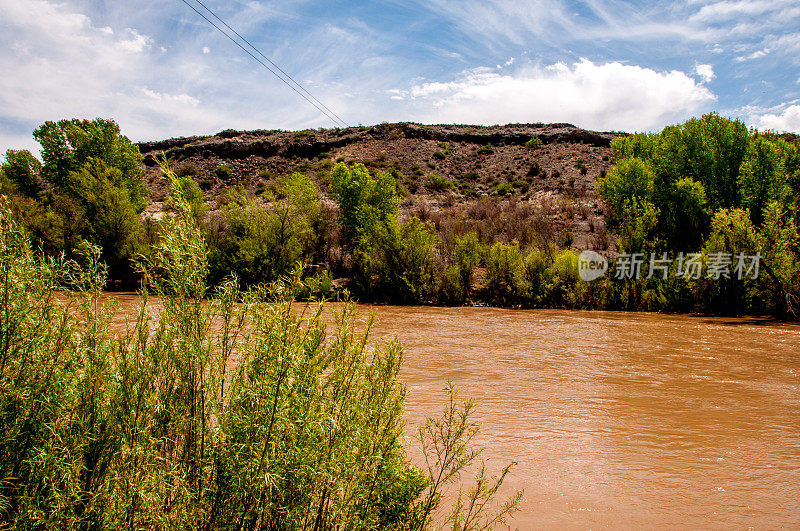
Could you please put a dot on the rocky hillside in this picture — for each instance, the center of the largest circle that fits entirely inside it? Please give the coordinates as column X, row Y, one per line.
column 551, row 168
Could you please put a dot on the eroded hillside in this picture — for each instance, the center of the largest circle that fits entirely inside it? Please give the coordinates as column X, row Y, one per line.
column 518, row 181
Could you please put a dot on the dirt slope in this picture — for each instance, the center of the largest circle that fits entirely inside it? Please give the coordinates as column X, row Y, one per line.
column 555, row 174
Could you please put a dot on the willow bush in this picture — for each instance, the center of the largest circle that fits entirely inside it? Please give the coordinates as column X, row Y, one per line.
column 223, row 409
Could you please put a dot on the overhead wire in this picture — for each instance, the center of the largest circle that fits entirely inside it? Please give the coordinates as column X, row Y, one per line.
column 271, row 62
column 319, row 106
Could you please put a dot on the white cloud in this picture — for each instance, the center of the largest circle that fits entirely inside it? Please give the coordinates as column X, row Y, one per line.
column 206, row 50
column 396, row 94
column 492, row 21
column 596, row 96
column 494, row 24
column 64, row 66
column 706, row 72
column 554, row 22
column 183, row 99
column 136, row 43
column 787, row 45
column 727, row 10
column 758, row 54
column 786, row 119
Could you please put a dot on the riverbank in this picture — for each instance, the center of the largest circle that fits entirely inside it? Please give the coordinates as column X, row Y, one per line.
column 501, row 222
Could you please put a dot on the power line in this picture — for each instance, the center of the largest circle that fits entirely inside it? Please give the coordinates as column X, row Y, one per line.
column 321, row 108
column 298, row 85
column 336, row 120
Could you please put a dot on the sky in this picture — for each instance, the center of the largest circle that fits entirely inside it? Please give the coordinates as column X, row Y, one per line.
column 160, row 70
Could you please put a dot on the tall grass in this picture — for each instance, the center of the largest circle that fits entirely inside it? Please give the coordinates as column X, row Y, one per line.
column 223, row 410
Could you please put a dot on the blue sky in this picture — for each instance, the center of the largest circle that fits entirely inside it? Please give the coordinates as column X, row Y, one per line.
column 159, row 70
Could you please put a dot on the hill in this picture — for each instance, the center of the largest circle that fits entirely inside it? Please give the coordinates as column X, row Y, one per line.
column 542, row 174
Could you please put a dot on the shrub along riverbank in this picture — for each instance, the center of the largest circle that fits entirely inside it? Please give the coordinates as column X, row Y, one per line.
column 709, row 186
column 227, row 410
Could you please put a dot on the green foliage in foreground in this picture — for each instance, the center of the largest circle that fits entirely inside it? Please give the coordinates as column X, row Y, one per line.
column 222, row 409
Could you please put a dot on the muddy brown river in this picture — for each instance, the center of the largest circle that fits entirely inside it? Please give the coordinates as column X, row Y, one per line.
column 619, row 420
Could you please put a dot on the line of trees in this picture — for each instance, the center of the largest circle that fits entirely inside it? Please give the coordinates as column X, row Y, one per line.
column 709, row 185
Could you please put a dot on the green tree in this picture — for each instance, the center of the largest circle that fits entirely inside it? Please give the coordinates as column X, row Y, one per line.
column 791, row 163
column 535, row 270
column 697, row 168
column 69, row 144
column 466, row 256
column 112, row 220
column 505, row 276
column 710, row 150
column 302, row 206
column 637, row 145
column 22, row 169
column 694, row 168
column 416, row 260
column 561, row 282
column 762, row 177
column 686, row 219
column 638, row 224
column 400, row 262
column 261, row 243
column 780, row 249
column 732, row 232
column 51, row 227
column 397, row 260
column 630, row 178
column 367, row 205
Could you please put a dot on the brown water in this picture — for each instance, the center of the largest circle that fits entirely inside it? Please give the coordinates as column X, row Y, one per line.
column 619, row 420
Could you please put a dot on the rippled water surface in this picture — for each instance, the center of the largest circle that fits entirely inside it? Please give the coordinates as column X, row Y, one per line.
column 620, row 419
